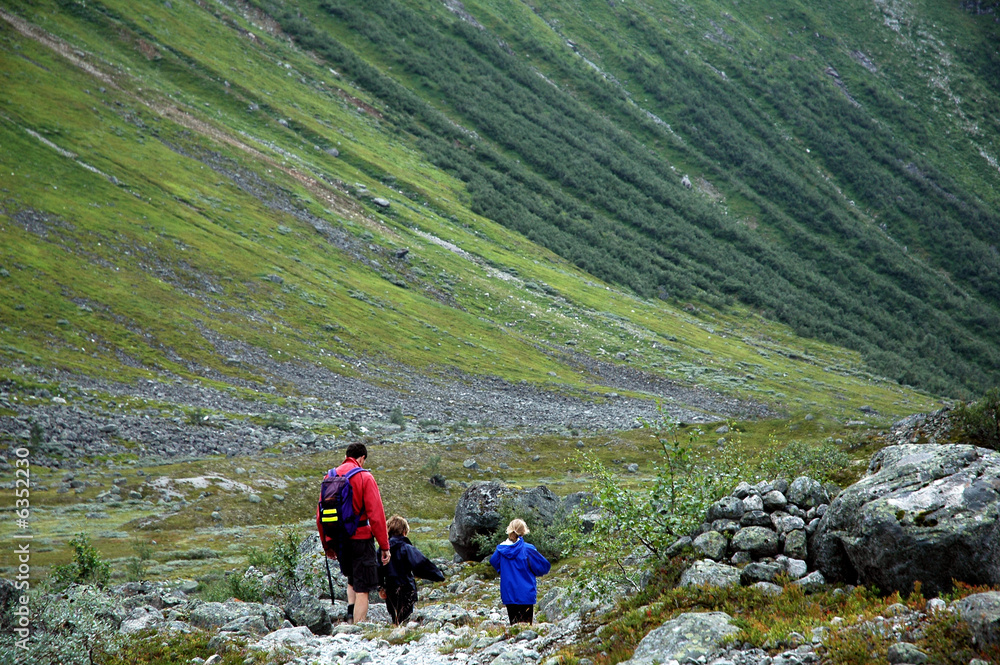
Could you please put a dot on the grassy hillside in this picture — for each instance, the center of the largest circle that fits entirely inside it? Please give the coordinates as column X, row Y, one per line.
column 187, row 185
column 841, row 160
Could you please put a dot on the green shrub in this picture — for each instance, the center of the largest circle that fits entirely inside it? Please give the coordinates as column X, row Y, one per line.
column 980, row 421
column 87, row 567
column 396, row 417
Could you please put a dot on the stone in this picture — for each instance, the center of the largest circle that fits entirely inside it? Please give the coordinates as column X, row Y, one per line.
column 928, row 512
column 756, row 518
column 725, row 526
column 286, row 638
column 742, row 490
column 787, row 523
column 760, row 572
column 796, row 544
column 689, row 637
column 726, row 508
column 710, row 573
column 935, row 605
column 476, row 514
column 304, row 609
column 753, row 502
column 756, row 540
column 794, row 568
column 806, row 492
column 904, row 652
column 768, row 589
column 982, row 612
column 812, row 582
column 679, row 546
column 711, row 544
column 235, row 615
column 141, row 618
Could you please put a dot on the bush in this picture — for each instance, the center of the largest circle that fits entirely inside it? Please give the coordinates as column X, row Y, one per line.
column 980, row 421
column 396, row 417
column 88, row 567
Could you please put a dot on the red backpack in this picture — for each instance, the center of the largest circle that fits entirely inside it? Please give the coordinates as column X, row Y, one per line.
column 335, row 516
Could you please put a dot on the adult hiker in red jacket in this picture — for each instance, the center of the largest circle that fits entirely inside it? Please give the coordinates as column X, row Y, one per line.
column 358, row 561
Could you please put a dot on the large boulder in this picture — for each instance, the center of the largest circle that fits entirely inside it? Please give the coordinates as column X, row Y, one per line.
column 688, row 638
column 924, row 512
column 478, row 513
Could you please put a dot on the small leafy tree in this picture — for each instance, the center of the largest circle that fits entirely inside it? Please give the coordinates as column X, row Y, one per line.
column 87, row 567
column 640, row 524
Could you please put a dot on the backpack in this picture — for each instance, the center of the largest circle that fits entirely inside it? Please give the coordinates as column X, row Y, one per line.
column 335, row 516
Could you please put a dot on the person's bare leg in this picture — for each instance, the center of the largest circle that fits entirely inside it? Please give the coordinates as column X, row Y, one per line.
column 351, row 598
column 360, row 607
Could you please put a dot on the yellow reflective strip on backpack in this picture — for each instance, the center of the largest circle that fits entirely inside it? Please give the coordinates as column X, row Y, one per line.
column 329, row 515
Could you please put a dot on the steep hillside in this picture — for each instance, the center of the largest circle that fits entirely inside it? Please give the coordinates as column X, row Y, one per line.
column 841, row 162
column 266, row 197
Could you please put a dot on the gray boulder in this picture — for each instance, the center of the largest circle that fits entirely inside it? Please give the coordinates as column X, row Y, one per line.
column 757, row 541
column 982, row 612
column 904, row 652
column 806, row 492
column 923, row 512
column 478, row 513
column 710, row 573
column 141, row 618
column 760, row 572
column 726, row 508
column 796, row 544
column 711, row 544
column 305, row 609
column 234, row 615
column 690, row 637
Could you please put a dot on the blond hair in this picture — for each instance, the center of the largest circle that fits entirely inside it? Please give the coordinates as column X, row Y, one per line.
column 516, row 529
column 397, row 526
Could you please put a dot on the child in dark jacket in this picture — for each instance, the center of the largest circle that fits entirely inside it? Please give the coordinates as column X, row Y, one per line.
column 399, row 586
column 519, row 563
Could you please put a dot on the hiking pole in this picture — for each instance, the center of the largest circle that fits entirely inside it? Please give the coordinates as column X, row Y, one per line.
column 329, row 578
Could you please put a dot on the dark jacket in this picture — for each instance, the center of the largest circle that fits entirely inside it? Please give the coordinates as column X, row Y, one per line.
column 405, row 562
column 518, row 564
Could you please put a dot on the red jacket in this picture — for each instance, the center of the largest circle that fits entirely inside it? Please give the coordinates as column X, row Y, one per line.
column 367, row 503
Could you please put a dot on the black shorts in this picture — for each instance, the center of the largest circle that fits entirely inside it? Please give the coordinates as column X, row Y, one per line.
column 359, row 565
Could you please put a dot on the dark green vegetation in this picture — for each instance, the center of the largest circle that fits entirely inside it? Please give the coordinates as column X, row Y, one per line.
column 831, row 197
column 980, row 421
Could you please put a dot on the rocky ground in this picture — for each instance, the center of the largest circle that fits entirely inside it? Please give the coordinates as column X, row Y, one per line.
column 86, row 416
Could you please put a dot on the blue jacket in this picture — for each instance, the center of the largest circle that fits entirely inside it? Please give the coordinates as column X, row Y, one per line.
column 518, row 564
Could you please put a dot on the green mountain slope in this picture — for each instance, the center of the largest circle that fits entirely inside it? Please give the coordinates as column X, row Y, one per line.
column 179, row 177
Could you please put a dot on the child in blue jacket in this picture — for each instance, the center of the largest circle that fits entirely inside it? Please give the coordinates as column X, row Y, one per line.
column 518, row 563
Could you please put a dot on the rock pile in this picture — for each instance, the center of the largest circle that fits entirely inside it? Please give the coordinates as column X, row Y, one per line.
column 765, row 528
